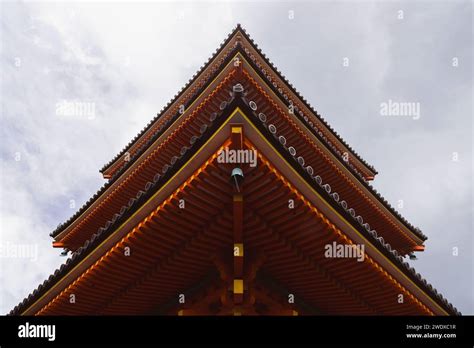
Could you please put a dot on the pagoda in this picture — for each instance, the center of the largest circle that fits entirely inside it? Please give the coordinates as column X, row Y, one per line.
column 238, row 198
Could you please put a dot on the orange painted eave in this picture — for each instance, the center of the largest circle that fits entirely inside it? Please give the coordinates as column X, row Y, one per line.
column 419, row 248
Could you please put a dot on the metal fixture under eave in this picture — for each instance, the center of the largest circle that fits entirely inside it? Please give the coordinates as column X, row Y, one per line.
column 237, row 176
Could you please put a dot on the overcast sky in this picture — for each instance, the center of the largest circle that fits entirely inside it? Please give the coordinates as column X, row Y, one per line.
column 128, row 60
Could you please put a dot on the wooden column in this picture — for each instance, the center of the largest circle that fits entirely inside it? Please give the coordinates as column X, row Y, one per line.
column 238, row 215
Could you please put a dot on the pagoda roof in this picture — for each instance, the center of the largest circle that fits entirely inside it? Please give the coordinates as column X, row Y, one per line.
column 238, row 30
column 195, row 143
column 166, row 123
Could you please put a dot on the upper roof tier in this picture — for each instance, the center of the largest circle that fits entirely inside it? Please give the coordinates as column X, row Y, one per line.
column 240, row 39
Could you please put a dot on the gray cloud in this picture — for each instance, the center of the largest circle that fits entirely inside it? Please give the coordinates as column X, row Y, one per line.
column 130, row 62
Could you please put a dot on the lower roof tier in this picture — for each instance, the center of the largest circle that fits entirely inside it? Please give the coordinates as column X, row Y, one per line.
column 177, row 239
